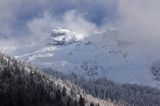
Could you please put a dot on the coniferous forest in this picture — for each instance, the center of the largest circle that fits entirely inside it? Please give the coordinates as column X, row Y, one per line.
column 22, row 84
column 103, row 88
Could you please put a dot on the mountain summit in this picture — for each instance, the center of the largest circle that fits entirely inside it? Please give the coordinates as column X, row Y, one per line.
column 100, row 54
column 62, row 36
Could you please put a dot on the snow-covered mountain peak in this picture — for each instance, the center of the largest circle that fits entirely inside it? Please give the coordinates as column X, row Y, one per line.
column 61, row 36
column 101, row 54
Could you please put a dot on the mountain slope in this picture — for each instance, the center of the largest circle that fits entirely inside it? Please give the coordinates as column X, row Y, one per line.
column 100, row 54
column 133, row 94
column 22, row 84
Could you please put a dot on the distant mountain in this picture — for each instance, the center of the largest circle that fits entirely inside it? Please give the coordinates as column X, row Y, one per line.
column 100, row 54
column 22, row 84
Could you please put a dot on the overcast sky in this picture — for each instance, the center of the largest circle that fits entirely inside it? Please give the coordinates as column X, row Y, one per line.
column 135, row 20
column 15, row 15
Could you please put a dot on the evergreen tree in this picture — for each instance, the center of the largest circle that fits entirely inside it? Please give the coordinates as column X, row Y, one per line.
column 64, row 91
column 81, row 101
column 91, row 104
column 69, row 101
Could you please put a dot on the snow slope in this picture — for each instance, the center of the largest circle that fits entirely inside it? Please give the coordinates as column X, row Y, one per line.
column 101, row 54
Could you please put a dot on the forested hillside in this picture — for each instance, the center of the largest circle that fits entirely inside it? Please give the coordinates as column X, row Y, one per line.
column 22, row 84
column 134, row 95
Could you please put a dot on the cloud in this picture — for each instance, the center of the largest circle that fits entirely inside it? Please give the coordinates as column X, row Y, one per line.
column 139, row 22
column 141, row 16
column 22, row 21
column 42, row 26
column 15, row 14
column 136, row 20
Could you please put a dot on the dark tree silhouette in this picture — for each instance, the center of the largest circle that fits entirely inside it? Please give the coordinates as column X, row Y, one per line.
column 81, row 101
